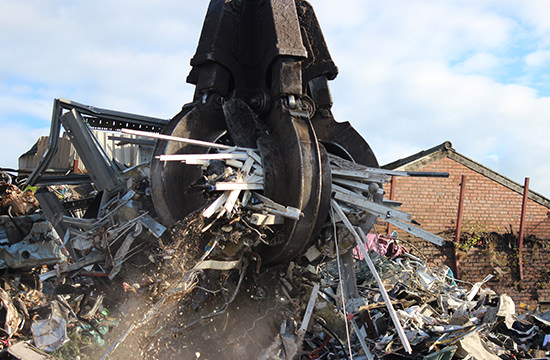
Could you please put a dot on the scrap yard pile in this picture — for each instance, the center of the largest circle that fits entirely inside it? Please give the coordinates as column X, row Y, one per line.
column 198, row 288
column 245, row 230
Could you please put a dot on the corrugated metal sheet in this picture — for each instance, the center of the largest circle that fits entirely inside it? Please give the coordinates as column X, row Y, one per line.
column 64, row 159
column 127, row 154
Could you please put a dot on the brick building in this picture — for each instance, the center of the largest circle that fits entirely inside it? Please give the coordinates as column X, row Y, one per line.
column 492, row 207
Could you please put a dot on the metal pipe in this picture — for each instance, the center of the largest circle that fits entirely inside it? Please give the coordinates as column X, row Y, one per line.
column 392, row 197
column 522, row 226
column 361, row 240
column 427, row 174
column 459, row 223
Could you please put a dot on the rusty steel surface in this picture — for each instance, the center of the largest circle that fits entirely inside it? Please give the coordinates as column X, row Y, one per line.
column 459, row 223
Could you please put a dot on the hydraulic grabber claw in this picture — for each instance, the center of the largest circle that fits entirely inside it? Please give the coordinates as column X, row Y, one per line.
column 261, row 71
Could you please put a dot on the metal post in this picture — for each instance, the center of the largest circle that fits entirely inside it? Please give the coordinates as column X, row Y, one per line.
column 75, row 166
column 459, row 223
column 522, row 226
column 392, row 197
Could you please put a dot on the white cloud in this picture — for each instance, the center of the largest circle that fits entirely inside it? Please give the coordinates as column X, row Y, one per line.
column 425, row 105
column 412, row 74
column 479, row 63
column 492, row 158
column 12, row 105
column 401, row 31
column 538, row 58
column 103, row 51
column 17, row 139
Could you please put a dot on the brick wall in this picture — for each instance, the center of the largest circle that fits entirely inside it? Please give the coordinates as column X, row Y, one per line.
column 488, row 207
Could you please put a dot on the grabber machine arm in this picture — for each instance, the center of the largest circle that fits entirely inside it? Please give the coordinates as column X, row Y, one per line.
column 261, row 73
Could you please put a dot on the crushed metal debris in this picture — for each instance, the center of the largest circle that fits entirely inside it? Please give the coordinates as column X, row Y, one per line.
column 198, row 288
column 247, row 234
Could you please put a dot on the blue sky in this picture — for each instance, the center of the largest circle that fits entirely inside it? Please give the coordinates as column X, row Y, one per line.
column 412, row 73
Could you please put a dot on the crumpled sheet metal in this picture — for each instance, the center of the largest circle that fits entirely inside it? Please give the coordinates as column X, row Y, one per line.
column 50, row 334
column 473, row 346
column 29, row 253
column 25, row 351
column 507, row 310
column 437, row 313
column 543, row 318
column 24, row 255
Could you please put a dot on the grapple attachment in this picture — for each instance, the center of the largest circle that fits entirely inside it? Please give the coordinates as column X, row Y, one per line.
column 261, row 73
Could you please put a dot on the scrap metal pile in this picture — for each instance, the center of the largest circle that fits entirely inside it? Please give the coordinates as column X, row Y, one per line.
column 249, row 234
column 202, row 281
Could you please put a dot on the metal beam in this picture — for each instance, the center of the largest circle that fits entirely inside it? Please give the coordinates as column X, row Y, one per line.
column 113, row 119
column 522, row 226
column 362, row 202
column 103, row 118
column 393, row 185
column 104, row 174
column 459, row 223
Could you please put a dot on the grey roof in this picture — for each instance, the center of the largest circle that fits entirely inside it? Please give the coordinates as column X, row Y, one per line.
column 425, row 157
